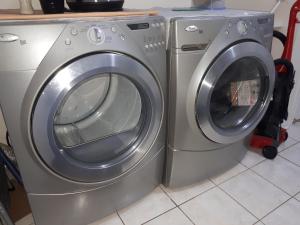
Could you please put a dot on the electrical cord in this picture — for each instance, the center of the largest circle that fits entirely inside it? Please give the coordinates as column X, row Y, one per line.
column 280, row 36
column 8, row 139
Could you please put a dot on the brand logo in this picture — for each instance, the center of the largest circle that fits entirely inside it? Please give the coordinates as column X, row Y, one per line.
column 8, row 37
column 192, row 28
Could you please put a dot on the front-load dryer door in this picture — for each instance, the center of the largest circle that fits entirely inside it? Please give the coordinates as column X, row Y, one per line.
column 235, row 92
column 97, row 117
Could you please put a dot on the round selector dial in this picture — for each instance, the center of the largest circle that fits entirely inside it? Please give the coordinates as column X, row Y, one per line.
column 242, row 27
column 96, row 35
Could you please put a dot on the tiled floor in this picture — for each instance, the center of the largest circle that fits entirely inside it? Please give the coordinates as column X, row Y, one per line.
column 256, row 191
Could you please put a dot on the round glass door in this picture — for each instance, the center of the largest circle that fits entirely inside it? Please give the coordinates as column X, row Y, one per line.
column 238, row 93
column 108, row 106
column 97, row 117
column 235, row 92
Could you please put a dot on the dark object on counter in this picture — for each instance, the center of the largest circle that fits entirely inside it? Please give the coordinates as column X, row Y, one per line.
column 53, row 6
column 95, row 5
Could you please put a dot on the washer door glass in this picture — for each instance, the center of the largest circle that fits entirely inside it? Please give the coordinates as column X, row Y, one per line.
column 235, row 92
column 238, row 93
column 97, row 118
column 105, row 107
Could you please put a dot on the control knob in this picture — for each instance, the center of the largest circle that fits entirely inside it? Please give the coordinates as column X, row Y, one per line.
column 242, row 28
column 96, row 35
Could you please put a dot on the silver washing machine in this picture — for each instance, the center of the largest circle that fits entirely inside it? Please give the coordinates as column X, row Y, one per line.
column 84, row 104
column 221, row 78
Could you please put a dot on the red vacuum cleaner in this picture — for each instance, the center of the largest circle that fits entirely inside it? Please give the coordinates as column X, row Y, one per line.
column 269, row 134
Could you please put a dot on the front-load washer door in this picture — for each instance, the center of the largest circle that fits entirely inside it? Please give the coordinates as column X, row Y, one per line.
column 235, row 92
column 97, row 117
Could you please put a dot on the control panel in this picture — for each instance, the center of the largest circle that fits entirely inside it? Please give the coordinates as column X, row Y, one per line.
column 148, row 34
column 244, row 25
column 155, row 40
column 262, row 25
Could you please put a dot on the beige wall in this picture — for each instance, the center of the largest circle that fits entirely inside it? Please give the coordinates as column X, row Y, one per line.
column 281, row 18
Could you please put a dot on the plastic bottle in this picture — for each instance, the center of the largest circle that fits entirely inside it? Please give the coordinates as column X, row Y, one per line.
column 26, row 7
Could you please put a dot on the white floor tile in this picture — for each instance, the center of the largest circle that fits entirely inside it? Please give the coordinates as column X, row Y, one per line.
column 294, row 132
column 109, row 220
column 253, row 192
column 147, row 208
column 259, row 223
column 252, row 158
column 298, row 197
column 228, row 174
column 180, row 195
column 292, row 154
column 173, row 217
column 282, row 173
column 215, row 207
column 27, row 220
column 289, row 142
column 287, row 214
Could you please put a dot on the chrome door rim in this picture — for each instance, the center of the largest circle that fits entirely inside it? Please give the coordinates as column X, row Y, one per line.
column 215, row 71
column 58, row 87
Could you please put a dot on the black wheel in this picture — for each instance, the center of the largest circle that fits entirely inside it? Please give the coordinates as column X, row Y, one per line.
column 285, row 136
column 270, row 152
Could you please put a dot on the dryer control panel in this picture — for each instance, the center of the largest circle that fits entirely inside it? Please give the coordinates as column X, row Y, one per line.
column 148, row 34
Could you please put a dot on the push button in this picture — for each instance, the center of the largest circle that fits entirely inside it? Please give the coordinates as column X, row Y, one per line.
column 74, row 31
column 68, row 41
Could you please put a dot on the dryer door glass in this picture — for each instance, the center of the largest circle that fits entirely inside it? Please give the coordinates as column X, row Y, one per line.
column 107, row 107
column 97, row 118
column 235, row 92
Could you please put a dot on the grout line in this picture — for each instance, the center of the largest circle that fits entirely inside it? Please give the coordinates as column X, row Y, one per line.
column 270, row 182
column 264, row 159
column 288, row 160
column 120, row 217
column 168, row 195
column 186, row 215
column 159, row 215
column 189, row 198
column 197, row 195
column 287, row 148
column 229, row 177
column 276, row 208
column 295, row 139
column 292, row 145
column 238, row 203
column 256, row 164
column 296, row 195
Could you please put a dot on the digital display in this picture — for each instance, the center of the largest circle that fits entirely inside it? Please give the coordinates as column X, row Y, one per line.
column 139, row 26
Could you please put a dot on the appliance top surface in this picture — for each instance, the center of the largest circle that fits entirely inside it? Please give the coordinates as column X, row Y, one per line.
column 77, row 19
column 170, row 13
column 95, row 1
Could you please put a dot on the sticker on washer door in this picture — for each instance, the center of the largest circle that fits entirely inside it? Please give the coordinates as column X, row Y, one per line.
column 244, row 93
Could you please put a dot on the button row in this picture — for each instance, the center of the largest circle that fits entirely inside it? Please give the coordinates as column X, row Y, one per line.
column 161, row 24
column 155, row 45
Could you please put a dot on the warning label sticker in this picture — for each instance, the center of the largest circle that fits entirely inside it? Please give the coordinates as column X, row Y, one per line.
column 245, row 93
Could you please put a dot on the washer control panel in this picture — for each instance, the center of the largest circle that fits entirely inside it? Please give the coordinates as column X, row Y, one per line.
column 155, row 40
column 246, row 25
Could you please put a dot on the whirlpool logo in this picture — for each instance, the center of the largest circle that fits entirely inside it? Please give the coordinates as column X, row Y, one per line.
column 193, row 28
